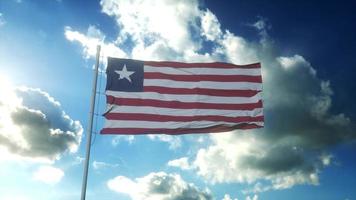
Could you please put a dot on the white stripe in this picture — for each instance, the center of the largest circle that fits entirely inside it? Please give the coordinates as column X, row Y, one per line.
column 203, row 71
column 164, row 125
column 183, row 112
column 185, row 98
column 203, row 84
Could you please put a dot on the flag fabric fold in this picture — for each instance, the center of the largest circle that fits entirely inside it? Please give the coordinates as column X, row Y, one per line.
column 149, row 97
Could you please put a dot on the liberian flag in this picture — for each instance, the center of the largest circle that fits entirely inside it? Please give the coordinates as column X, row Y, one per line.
column 147, row 97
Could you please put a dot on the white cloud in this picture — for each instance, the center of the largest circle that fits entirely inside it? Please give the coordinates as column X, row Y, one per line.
column 229, row 151
column 237, row 50
column 147, row 31
column 102, row 165
column 210, row 26
column 227, row 197
column 262, row 26
column 34, row 126
column 90, row 40
column 158, row 186
column 118, row 138
column 255, row 197
column 295, row 61
column 173, row 141
column 158, row 25
column 48, row 174
column 326, row 159
column 181, row 163
column 257, row 188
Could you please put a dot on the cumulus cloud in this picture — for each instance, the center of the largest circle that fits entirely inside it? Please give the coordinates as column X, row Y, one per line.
column 210, row 26
column 155, row 27
column 300, row 127
column 48, row 174
column 158, row 186
column 33, row 125
column 145, row 34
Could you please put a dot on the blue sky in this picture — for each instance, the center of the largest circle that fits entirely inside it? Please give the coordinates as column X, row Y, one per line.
column 306, row 150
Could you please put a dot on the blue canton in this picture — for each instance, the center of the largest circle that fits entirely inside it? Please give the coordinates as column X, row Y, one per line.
column 114, row 82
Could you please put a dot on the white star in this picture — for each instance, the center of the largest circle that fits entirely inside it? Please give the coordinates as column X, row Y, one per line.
column 124, row 73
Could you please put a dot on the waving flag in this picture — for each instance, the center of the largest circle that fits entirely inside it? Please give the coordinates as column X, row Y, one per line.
column 146, row 97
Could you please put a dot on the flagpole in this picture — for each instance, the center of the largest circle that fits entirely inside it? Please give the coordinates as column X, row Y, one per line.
column 90, row 127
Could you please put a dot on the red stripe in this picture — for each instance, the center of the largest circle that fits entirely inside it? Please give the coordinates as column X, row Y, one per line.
column 201, row 65
column 170, row 118
column 214, row 129
column 197, row 78
column 201, row 91
column 181, row 105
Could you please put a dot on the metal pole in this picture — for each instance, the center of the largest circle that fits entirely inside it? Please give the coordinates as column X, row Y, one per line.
column 90, row 127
